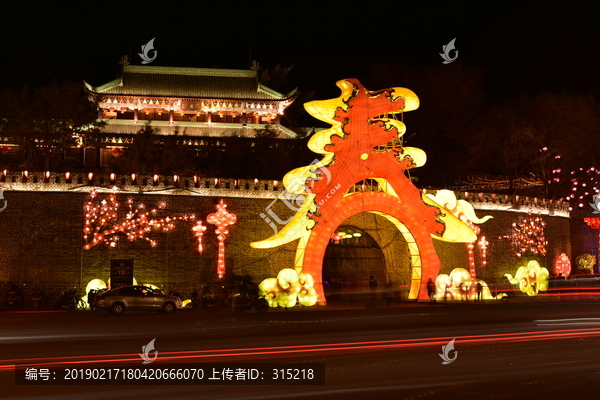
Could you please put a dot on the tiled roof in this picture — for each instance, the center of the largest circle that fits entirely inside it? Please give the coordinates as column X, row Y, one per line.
column 127, row 127
column 189, row 82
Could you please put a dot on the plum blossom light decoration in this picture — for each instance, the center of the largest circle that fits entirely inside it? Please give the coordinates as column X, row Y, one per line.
column 104, row 224
column 586, row 262
column 584, row 182
column 222, row 219
column 528, row 237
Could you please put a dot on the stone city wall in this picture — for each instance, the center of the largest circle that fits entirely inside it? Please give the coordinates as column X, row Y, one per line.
column 41, row 235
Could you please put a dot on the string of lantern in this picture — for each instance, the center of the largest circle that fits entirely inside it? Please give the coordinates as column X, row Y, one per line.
column 584, row 185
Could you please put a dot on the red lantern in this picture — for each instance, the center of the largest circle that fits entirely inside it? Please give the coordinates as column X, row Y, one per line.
column 562, row 265
column 222, row 219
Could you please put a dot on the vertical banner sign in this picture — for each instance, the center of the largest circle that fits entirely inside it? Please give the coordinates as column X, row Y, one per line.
column 121, row 273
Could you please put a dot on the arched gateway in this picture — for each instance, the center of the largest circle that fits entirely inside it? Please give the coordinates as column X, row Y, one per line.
column 363, row 144
column 355, row 254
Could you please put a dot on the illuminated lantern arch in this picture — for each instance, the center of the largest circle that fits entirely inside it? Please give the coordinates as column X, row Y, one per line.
column 427, row 264
column 363, row 144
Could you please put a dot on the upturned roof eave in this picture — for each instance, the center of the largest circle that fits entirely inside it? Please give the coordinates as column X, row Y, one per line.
column 102, row 88
column 232, row 99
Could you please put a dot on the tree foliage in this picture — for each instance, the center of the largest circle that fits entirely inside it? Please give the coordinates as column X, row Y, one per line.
column 152, row 153
column 276, row 77
column 451, row 103
column 543, row 135
column 534, row 137
column 45, row 117
column 263, row 157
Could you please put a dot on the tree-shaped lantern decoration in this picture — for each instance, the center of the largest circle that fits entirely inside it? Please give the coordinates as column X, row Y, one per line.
column 222, row 219
column 585, row 263
column 104, row 224
column 528, row 237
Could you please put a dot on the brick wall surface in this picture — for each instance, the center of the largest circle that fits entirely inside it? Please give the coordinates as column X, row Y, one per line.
column 41, row 239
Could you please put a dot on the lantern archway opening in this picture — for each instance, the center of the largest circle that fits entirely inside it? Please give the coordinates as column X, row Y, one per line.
column 351, row 256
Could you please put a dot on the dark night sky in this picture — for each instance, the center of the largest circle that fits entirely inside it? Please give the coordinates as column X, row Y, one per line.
column 523, row 46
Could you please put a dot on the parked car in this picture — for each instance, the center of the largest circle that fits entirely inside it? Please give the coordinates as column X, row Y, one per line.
column 136, row 298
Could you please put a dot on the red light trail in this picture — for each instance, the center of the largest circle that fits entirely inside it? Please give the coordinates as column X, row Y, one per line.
column 303, row 350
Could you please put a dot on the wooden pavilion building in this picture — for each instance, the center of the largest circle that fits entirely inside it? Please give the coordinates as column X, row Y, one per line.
column 200, row 105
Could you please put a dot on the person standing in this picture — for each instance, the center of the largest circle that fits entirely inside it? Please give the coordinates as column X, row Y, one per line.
column 479, row 290
column 431, row 291
column 373, row 286
column 91, row 298
column 446, row 291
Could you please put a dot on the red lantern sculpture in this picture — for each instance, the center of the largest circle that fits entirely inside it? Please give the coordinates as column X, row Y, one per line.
column 363, row 143
column 562, row 265
column 222, row 219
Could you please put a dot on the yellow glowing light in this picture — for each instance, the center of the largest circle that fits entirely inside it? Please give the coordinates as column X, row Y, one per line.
column 459, row 208
column 150, row 286
column 459, row 286
column 108, row 283
column 364, row 156
column 531, row 279
column 95, row 284
column 289, row 288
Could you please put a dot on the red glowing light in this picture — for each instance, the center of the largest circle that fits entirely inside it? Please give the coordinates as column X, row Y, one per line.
column 199, row 230
column 527, row 237
column 222, row 219
column 562, row 265
column 104, row 224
